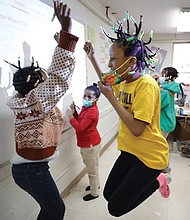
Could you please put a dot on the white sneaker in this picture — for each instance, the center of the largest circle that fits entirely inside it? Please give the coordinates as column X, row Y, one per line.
column 168, row 169
column 169, row 179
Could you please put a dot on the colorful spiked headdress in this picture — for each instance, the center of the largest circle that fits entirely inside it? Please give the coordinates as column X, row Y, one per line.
column 139, row 49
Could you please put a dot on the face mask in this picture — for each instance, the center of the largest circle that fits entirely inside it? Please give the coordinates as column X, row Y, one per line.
column 162, row 79
column 112, row 77
column 87, row 103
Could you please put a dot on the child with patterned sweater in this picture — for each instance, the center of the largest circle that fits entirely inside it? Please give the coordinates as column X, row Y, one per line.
column 39, row 123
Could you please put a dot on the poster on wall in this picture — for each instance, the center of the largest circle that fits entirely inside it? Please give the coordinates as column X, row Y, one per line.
column 104, row 51
column 103, row 46
column 160, row 57
column 91, row 34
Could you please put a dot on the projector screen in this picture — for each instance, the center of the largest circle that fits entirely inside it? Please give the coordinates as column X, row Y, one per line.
column 26, row 30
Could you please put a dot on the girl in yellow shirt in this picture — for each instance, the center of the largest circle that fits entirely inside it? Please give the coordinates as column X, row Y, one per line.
column 135, row 96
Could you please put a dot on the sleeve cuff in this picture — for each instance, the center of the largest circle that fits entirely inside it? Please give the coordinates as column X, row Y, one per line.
column 71, row 120
column 67, row 41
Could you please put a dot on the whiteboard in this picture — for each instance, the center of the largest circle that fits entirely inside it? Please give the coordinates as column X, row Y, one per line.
column 26, row 30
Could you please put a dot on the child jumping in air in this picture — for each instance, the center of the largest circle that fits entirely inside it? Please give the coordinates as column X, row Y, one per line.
column 135, row 96
column 39, row 123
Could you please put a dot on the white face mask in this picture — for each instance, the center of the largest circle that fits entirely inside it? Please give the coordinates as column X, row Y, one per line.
column 162, row 79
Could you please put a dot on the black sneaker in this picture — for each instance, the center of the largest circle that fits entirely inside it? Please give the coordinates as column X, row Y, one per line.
column 89, row 197
column 88, row 188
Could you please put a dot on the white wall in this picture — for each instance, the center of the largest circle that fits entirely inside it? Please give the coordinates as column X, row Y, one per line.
column 15, row 203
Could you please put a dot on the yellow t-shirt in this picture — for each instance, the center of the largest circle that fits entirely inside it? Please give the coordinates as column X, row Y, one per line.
column 142, row 99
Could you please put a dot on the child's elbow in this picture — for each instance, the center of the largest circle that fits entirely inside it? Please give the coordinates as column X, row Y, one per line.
column 137, row 132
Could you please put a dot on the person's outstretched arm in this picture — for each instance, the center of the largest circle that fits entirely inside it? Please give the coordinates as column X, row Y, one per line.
column 66, row 39
column 63, row 61
column 88, row 48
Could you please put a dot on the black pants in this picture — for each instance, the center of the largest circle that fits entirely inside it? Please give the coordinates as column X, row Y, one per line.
column 36, row 179
column 129, row 183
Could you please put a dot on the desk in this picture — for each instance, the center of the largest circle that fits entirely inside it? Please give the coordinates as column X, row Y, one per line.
column 182, row 116
column 182, row 129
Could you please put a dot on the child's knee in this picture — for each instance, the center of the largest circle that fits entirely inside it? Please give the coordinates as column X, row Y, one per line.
column 117, row 209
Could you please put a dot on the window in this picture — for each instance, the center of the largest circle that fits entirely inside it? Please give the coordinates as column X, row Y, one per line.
column 181, row 61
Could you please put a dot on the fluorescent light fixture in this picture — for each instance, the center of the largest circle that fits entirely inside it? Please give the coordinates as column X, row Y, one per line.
column 183, row 20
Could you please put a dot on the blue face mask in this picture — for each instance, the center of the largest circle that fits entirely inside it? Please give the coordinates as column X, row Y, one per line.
column 87, row 103
column 162, row 79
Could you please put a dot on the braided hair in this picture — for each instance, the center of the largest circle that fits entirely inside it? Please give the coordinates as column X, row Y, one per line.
column 94, row 87
column 27, row 78
column 132, row 43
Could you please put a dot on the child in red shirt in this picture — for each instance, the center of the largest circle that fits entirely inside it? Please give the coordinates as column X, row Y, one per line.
column 88, row 138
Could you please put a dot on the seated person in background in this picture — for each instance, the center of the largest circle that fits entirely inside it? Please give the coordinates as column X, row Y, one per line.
column 88, row 138
column 39, row 123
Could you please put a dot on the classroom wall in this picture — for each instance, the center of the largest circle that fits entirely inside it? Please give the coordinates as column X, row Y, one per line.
column 67, row 168
column 166, row 41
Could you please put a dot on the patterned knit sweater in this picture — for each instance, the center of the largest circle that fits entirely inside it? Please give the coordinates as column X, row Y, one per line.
column 38, row 122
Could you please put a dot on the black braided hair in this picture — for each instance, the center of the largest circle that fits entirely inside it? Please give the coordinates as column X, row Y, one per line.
column 171, row 73
column 27, row 78
column 132, row 43
column 94, row 87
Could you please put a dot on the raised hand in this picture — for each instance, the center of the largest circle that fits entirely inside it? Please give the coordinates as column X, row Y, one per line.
column 106, row 90
column 63, row 14
column 69, row 113
column 88, row 48
column 72, row 106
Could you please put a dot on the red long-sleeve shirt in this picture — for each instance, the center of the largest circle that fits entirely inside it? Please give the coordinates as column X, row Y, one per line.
column 85, row 125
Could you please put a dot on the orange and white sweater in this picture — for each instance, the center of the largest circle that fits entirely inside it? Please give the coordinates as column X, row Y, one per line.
column 38, row 122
